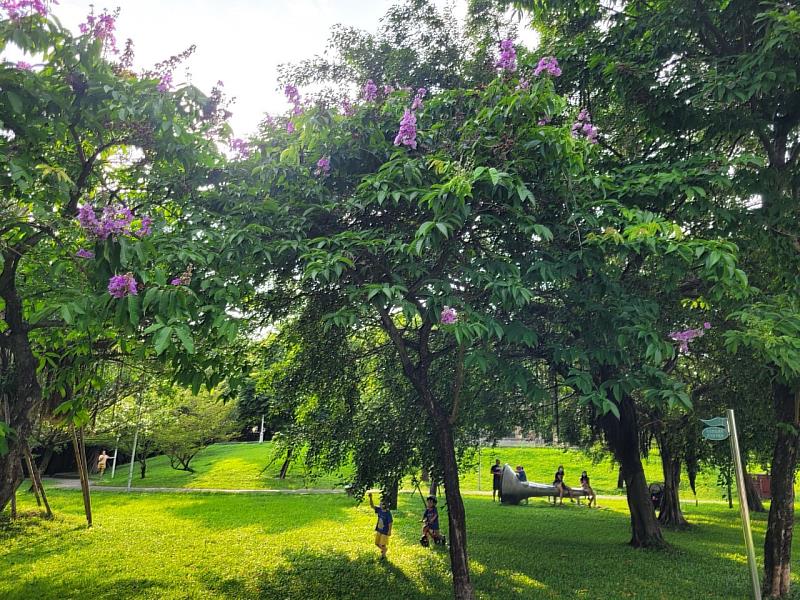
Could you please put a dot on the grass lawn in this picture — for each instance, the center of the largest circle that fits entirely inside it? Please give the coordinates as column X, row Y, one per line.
column 231, row 466
column 319, row 547
column 238, row 466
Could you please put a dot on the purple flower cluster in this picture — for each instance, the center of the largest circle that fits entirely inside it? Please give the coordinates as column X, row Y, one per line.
column 290, row 127
column 240, row 147
column 407, row 135
column 83, row 253
column 323, row 166
column 18, row 9
column 548, row 65
column 120, row 286
column 293, row 95
column 584, row 127
column 388, row 89
column 24, row 66
column 523, row 85
column 370, row 91
column 185, row 277
column 448, row 316
column 348, row 108
column 508, row 57
column 687, row 335
column 165, row 84
column 417, row 102
column 544, row 121
column 102, row 28
column 116, row 219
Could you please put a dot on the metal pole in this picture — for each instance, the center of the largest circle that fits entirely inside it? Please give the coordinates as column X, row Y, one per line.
column 261, row 434
column 748, row 536
column 135, row 439
column 114, row 459
column 479, row 465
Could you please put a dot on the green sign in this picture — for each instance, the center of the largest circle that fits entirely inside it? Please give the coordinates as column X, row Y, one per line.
column 716, row 433
column 716, row 422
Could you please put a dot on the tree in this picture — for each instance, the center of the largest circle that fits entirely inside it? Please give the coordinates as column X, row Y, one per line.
column 193, row 423
column 692, row 78
column 100, row 169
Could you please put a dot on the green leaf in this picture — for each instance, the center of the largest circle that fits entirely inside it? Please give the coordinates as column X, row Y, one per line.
column 186, row 338
column 162, row 339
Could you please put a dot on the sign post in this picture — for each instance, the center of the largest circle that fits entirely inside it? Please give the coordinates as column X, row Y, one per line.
column 720, row 428
column 748, row 536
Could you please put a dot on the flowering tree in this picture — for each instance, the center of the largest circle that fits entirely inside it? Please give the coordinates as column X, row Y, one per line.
column 99, row 167
column 462, row 237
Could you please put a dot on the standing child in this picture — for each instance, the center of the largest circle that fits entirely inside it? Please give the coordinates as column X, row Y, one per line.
column 497, row 480
column 430, row 524
column 383, row 528
column 588, row 489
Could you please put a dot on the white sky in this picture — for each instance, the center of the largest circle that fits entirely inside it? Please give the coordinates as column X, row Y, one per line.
column 240, row 42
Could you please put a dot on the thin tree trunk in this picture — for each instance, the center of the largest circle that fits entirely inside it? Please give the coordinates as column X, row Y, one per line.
column 44, row 462
column 80, row 458
column 780, row 526
column 622, row 436
column 34, row 487
column 670, row 514
column 433, row 490
column 620, row 479
column 37, row 481
column 286, row 463
column 390, row 495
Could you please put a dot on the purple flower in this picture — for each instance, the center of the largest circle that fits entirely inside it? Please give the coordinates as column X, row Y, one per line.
column 407, row 134
column 165, row 84
column 120, row 286
column 293, row 95
column 583, row 127
column 448, row 316
column 687, row 335
column 185, row 277
column 87, row 218
column 240, row 147
column 101, row 27
column 145, row 227
column 83, row 253
column 176, row 281
column 417, row 103
column 289, row 127
column 548, row 65
column 116, row 219
column 323, row 166
column 523, row 85
column 508, row 57
column 24, row 66
column 18, row 9
column 387, row 89
column 545, row 121
column 370, row 91
column 348, row 109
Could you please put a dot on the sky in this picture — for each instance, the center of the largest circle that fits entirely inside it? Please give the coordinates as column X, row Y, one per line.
column 240, row 42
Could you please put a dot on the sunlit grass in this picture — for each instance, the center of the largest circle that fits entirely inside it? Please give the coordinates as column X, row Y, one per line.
column 310, row 547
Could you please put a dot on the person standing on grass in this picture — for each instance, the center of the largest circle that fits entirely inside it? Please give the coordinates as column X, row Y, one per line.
column 497, row 480
column 101, row 462
column 383, row 528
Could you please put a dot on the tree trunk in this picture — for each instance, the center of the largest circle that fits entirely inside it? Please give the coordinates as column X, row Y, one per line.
column 456, row 516
column 780, row 526
column 37, row 481
column 286, row 463
column 83, row 472
column 389, row 495
column 143, row 467
column 433, row 490
column 44, row 462
column 670, row 514
column 753, row 497
column 622, row 436
column 620, row 479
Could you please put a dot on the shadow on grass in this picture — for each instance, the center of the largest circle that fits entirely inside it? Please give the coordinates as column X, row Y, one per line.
column 271, row 514
column 331, row 576
column 122, row 588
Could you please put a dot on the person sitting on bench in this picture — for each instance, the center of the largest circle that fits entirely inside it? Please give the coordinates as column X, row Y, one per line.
column 561, row 487
column 588, row 489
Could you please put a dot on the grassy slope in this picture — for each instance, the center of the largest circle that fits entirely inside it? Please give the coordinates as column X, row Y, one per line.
column 238, row 466
column 302, row 547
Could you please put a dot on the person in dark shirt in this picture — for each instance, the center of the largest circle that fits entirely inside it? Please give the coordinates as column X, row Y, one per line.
column 561, row 487
column 497, row 480
column 588, row 489
column 522, row 476
column 430, row 523
column 383, row 528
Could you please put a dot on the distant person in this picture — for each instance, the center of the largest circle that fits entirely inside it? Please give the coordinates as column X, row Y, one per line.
column 561, row 487
column 430, row 523
column 588, row 489
column 101, row 462
column 497, row 480
column 522, row 476
column 383, row 528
